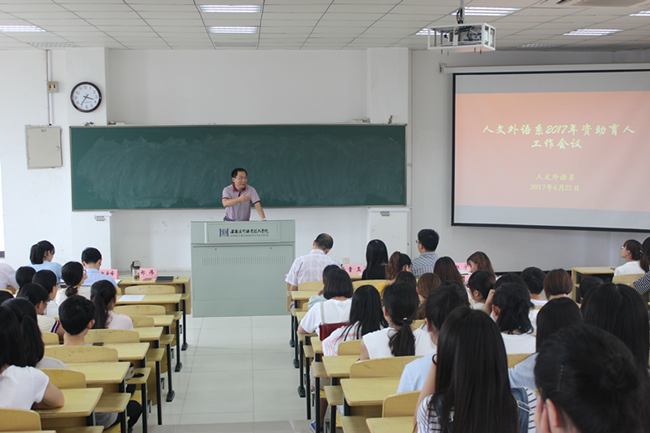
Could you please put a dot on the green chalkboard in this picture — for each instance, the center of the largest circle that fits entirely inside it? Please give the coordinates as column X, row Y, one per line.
column 187, row 167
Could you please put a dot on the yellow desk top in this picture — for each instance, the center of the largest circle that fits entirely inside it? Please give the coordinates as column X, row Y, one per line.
column 129, row 351
column 149, row 333
column 163, row 320
column 172, row 298
column 594, row 270
column 128, row 281
column 369, row 392
column 101, row 373
column 303, row 295
column 317, row 345
column 339, row 366
column 78, row 403
column 398, row 424
column 300, row 315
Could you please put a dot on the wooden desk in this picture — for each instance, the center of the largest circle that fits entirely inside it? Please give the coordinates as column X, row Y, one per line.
column 398, row 424
column 579, row 274
column 366, row 396
column 79, row 403
column 339, row 366
column 164, row 321
column 101, row 373
column 130, row 351
column 302, row 296
column 182, row 285
column 300, row 315
column 149, row 334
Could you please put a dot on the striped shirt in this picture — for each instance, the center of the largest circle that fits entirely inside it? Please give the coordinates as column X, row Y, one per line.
column 424, row 264
column 309, row 267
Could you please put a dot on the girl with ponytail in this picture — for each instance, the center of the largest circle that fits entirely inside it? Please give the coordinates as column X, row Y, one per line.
column 41, row 255
column 636, row 261
column 510, row 306
column 104, row 295
column 399, row 339
column 74, row 275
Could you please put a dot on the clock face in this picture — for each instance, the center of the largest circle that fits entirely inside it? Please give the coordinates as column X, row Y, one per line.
column 85, row 97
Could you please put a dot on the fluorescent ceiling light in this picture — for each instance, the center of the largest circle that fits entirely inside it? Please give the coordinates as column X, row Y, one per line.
column 592, row 32
column 228, row 29
column 425, row 32
column 487, row 11
column 641, row 14
column 20, row 29
column 237, row 9
column 51, row 44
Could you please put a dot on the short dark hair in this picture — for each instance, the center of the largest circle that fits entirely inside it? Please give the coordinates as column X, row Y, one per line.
column 91, row 255
column 338, row 283
column 587, row 285
column 75, row 314
column 406, row 277
column 510, row 277
column 534, row 279
column 554, row 315
column 429, row 239
column 328, row 269
column 34, row 293
column 5, row 296
column 443, row 301
column 24, row 275
column 557, row 282
column 482, row 282
column 46, row 279
column 324, row 241
column 237, row 170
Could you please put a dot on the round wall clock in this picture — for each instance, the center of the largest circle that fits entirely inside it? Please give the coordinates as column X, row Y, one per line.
column 86, row 97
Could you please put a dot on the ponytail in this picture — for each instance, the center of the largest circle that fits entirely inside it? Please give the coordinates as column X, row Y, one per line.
column 72, row 273
column 636, row 249
column 514, row 302
column 401, row 302
column 102, row 293
column 38, row 251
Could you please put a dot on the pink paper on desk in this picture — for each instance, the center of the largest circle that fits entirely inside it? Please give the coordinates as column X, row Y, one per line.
column 462, row 267
column 354, row 269
column 148, row 273
column 109, row 272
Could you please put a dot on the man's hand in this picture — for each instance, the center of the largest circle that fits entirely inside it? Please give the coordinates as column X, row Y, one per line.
column 243, row 198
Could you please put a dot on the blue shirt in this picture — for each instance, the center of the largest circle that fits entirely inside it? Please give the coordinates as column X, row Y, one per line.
column 50, row 266
column 523, row 374
column 415, row 374
column 93, row 275
column 424, row 264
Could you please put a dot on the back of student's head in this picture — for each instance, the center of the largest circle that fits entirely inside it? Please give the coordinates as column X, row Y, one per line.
column 324, row 242
column 12, row 345
column 428, row 239
column 366, row 310
column 24, row 275
column 72, row 274
column 376, row 253
column 91, row 255
column 328, row 270
column 593, row 381
column 481, row 260
column 406, row 277
column 636, row 251
column 37, row 252
column 534, row 279
column 554, row 315
column 396, row 263
column 102, row 293
column 478, row 393
column 513, row 301
column 509, row 278
column 557, row 282
column 443, row 301
column 587, row 285
column 30, row 332
column 619, row 309
column 446, row 269
column 45, row 278
column 34, row 293
column 481, row 281
column 401, row 302
column 75, row 313
column 5, row 295
column 427, row 283
column 337, row 284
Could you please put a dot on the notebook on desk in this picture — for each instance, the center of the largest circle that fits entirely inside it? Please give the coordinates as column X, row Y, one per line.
column 163, row 279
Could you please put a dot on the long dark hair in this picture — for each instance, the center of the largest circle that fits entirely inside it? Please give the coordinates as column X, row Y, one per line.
column 37, row 252
column 514, row 302
column 30, row 332
column 12, row 345
column 446, row 269
column 554, row 315
column 72, row 273
column 366, row 311
column 478, row 394
column 102, row 293
column 635, row 247
column 401, row 302
column 619, row 309
column 376, row 254
column 594, row 380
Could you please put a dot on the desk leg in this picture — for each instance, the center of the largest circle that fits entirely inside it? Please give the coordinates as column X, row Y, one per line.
column 346, row 409
column 296, row 362
column 158, row 393
column 335, row 381
column 179, row 364
column 184, row 347
column 145, row 412
column 90, row 420
column 308, row 388
column 292, row 342
column 170, row 393
column 123, row 425
column 317, row 405
column 301, row 388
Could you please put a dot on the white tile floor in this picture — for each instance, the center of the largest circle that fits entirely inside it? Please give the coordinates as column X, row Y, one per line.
column 237, row 376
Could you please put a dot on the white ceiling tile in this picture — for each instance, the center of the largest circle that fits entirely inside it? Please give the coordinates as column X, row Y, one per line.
column 221, row 22
column 291, row 16
column 360, row 8
column 106, row 22
column 47, row 15
column 287, row 23
column 188, row 23
column 351, row 17
column 424, row 9
column 177, row 29
column 95, row 7
column 179, row 15
column 17, row 6
column 296, row 8
column 112, row 15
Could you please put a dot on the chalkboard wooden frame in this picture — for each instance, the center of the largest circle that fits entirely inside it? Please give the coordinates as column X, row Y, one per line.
column 187, row 167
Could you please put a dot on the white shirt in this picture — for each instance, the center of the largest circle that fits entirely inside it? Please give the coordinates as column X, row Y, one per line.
column 119, row 321
column 629, row 268
column 309, row 267
column 331, row 343
column 532, row 316
column 21, row 387
column 377, row 343
column 478, row 305
column 93, row 275
column 52, row 309
column 415, row 374
column 7, row 277
column 519, row 343
column 335, row 311
column 538, row 302
column 48, row 324
column 83, row 291
column 523, row 374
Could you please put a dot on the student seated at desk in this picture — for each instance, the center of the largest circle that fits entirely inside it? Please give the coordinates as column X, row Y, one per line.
column 77, row 318
column 439, row 304
column 479, row 261
column 47, row 279
column 446, row 269
column 41, row 256
column 335, row 309
column 92, row 261
column 39, row 297
column 24, row 275
column 104, row 296
column 74, row 275
column 479, row 285
column 21, row 387
column 399, row 339
column 376, row 260
column 636, row 262
column 397, row 262
column 427, row 283
column 534, row 279
column 340, row 279
column 510, row 305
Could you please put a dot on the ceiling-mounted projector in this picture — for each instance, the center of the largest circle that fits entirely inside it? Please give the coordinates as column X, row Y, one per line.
column 462, row 38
